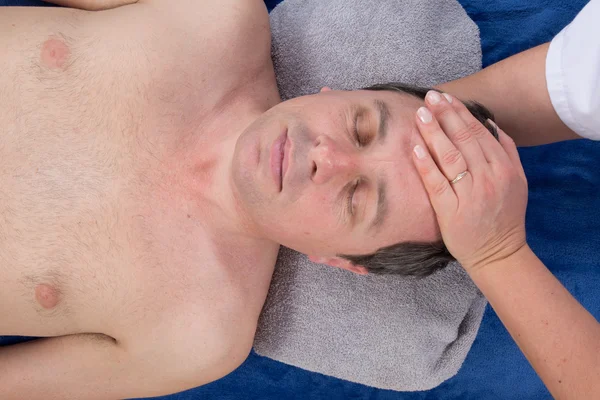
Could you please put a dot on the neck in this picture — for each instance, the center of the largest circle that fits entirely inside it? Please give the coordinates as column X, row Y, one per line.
column 210, row 163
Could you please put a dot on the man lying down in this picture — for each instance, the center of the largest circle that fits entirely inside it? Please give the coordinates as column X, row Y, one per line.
column 149, row 174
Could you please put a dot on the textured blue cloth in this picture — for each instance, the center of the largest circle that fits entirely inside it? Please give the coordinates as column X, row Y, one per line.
column 31, row 3
column 563, row 225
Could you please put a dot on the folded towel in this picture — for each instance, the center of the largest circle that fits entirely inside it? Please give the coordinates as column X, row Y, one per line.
column 349, row 44
column 388, row 332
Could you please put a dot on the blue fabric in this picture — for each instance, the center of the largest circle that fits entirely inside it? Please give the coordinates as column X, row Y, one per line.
column 563, row 224
column 28, row 3
column 511, row 26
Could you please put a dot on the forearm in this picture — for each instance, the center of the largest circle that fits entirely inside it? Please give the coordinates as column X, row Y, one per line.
column 558, row 336
column 92, row 5
column 57, row 368
column 515, row 90
column 95, row 366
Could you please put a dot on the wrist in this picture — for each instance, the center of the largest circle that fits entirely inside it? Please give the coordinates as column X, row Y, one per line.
column 510, row 255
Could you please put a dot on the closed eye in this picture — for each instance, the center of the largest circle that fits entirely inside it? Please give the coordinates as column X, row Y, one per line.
column 350, row 201
column 362, row 129
column 357, row 137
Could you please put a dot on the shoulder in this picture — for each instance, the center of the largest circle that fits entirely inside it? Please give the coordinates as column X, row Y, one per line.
column 224, row 16
column 198, row 341
column 229, row 33
column 243, row 30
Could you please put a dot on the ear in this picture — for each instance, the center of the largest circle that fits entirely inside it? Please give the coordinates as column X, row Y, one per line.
column 339, row 262
column 325, row 89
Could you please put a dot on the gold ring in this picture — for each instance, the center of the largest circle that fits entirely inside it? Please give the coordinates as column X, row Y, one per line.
column 459, row 177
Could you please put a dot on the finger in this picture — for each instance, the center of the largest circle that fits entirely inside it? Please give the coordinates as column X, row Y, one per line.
column 511, row 150
column 457, row 130
column 491, row 148
column 447, row 157
column 440, row 192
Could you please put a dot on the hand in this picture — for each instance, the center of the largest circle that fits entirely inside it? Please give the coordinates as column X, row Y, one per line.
column 482, row 215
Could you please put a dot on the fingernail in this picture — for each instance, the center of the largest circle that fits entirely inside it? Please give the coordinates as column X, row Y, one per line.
column 425, row 115
column 433, row 97
column 419, row 152
column 448, row 97
column 492, row 123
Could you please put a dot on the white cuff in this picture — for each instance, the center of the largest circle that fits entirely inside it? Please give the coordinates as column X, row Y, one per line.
column 573, row 73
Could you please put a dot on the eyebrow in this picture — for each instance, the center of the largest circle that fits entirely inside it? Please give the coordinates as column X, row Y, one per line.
column 382, row 131
column 384, row 115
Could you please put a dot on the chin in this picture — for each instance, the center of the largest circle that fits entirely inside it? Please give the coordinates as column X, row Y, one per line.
column 246, row 156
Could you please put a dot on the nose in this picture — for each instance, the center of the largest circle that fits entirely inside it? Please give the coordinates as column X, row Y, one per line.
column 332, row 160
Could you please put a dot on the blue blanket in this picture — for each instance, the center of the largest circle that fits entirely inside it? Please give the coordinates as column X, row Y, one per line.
column 563, row 225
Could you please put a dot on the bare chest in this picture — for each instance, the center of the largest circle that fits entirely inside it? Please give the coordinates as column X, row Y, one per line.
column 87, row 243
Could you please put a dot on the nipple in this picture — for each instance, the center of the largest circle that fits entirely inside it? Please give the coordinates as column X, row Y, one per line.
column 54, row 54
column 47, row 296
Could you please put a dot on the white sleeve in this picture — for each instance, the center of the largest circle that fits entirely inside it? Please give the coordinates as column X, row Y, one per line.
column 573, row 72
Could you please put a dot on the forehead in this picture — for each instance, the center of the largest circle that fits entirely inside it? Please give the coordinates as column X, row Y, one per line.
column 410, row 216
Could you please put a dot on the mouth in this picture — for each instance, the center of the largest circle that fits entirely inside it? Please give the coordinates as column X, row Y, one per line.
column 278, row 160
column 285, row 162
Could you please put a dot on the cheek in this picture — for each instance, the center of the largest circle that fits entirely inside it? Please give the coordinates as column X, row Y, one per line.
column 313, row 210
column 310, row 216
column 306, row 226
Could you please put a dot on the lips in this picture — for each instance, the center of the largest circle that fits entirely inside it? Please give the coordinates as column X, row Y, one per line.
column 277, row 160
column 285, row 163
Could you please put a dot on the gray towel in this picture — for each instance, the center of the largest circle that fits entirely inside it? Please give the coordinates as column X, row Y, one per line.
column 388, row 332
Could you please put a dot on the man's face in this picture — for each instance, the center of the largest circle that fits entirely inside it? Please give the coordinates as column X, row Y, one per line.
column 332, row 173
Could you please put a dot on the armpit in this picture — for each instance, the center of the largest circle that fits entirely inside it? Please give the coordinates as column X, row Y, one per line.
column 93, row 5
